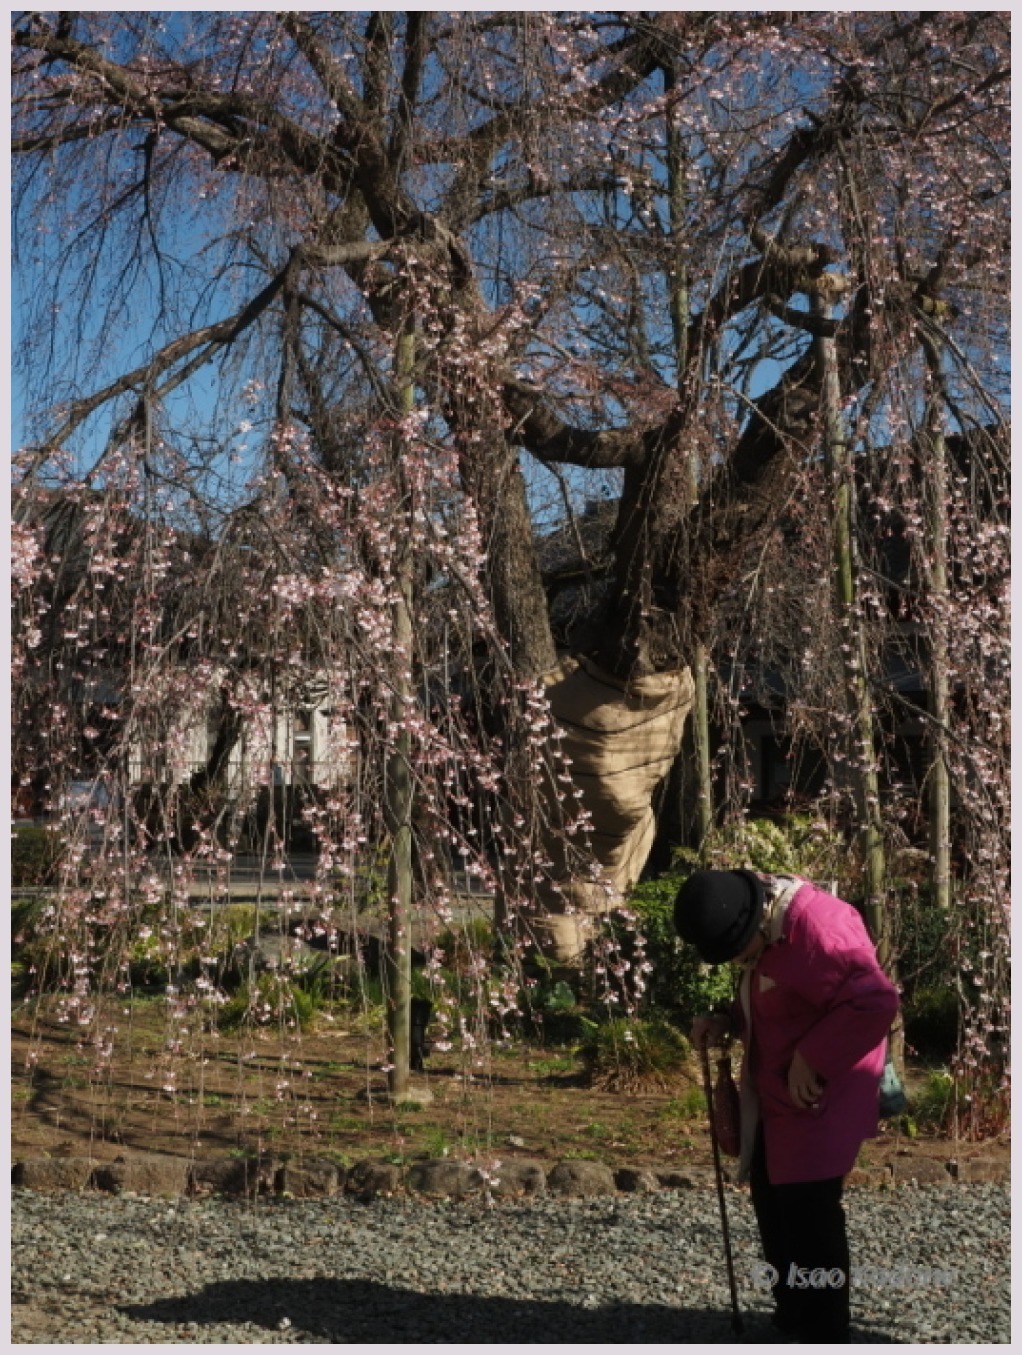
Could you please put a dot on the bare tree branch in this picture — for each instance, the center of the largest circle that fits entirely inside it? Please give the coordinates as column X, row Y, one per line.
column 210, row 339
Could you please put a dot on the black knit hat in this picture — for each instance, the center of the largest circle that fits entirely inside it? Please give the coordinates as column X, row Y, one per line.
column 719, row 911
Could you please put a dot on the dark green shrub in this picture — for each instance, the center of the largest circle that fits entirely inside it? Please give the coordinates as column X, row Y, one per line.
column 929, row 951
column 35, row 853
column 798, row 844
column 922, row 940
column 554, row 1013
column 931, row 1022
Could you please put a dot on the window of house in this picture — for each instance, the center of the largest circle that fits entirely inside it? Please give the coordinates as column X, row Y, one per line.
column 301, row 746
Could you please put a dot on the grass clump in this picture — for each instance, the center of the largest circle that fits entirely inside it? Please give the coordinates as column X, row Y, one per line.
column 932, row 1103
column 271, row 1000
column 634, row 1055
column 689, row 1105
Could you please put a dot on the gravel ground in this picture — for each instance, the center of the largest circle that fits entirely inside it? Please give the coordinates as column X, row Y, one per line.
column 95, row 1269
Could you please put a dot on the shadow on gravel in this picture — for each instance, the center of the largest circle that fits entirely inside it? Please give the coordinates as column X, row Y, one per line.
column 364, row 1312
column 360, row 1311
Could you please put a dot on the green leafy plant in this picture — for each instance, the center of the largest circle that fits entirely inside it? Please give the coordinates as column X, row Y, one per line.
column 596, row 1130
column 436, row 1143
column 319, row 980
column 634, row 1055
column 230, row 924
column 798, row 844
column 553, row 1011
column 554, row 1066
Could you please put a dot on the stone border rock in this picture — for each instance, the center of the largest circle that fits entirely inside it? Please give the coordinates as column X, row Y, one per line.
column 440, row 1178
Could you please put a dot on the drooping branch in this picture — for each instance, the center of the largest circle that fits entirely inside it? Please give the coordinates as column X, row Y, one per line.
column 116, row 121
column 742, row 497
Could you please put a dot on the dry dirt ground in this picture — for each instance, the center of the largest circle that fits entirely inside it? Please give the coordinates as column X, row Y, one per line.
column 324, row 1092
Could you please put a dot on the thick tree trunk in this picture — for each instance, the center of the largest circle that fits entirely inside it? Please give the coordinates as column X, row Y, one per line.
column 513, row 572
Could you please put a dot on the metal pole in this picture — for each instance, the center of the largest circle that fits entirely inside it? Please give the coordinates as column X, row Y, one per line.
column 736, row 1317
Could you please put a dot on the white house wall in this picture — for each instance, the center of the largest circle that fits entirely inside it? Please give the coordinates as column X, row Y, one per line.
column 264, row 753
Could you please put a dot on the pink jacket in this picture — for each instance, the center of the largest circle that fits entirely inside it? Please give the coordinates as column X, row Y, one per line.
column 820, row 990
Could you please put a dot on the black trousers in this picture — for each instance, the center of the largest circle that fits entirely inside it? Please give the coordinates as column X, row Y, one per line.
column 802, row 1228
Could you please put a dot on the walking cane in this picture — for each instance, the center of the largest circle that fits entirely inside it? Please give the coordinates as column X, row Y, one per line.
column 736, row 1317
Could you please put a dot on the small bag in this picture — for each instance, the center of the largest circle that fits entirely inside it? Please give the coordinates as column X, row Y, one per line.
column 727, row 1111
column 892, row 1099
